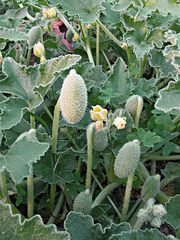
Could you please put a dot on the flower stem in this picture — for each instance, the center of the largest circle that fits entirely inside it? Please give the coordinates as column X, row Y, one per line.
column 89, row 157
column 55, row 127
column 127, row 196
column 4, row 192
column 97, row 42
column 28, row 56
column 30, row 184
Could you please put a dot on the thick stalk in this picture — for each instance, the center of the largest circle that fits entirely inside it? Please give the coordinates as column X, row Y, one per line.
column 127, row 196
column 30, row 184
column 28, row 56
column 162, row 158
column 55, row 127
column 97, row 42
column 89, row 153
column 4, row 192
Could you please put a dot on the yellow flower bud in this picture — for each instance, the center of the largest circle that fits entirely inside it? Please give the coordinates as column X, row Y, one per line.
column 49, row 13
column 1, row 58
column 98, row 113
column 120, row 122
column 38, row 50
column 76, row 37
column 88, row 26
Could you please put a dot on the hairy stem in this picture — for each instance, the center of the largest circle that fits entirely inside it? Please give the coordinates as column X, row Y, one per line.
column 127, row 196
column 162, row 158
column 97, row 42
column 3, row 188
column 28, row 56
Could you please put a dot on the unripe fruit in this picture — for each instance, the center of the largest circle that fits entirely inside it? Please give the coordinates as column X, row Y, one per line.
column 134, row 105
column 69, row 35
column 127, row 159
column 73, row 98
column 83, row 202
column 100, row 139
column 151, row 187
column 34, row 35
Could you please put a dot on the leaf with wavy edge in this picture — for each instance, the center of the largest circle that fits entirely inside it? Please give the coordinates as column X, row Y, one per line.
column 32, row 83
column 12, row 34
column 23, row 152
column 11, row 227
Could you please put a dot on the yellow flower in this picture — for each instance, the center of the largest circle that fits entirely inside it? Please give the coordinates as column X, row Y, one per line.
column 76, row 37
column 49, row 13
column 38, row 50
column 120, row 122
column 99, row 125
column 42, row 59
column 98, row 113
column 1, row 58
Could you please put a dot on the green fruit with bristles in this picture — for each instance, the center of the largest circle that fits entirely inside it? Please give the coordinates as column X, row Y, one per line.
column 34, row 35
column 73, row 98
column 134, row 104
column 100, row 140
column 151, row 187
column 83, row 202
column 127, row 159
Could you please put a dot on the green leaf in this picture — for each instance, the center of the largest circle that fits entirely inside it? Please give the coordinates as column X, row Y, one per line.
column 146, row 88
column 11, row 112
column 122, row 5
column 23, row 152
column 151, row 234
column 173, row 213
column 171, row 170
column 87, row 10
column 62, row 171
column 11, row 227
column 169, row 98
column 12, row 35
column 117, row 87
column 32, row 83
column 82, row 227
column 108, row 15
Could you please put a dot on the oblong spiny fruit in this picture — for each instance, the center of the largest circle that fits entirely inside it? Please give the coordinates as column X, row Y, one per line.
column 151, row 187
column 83, row 202
column 100, row 139
column 134, row 104
column 127, row 159
column 34, row 35
column 73, row 98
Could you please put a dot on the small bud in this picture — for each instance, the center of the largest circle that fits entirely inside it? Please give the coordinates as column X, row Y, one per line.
column 100, row 140
column 98, row 113
column 83, row 202
column 34, row 35
column 38, row 50
column 49, row 13
column 124, row 46
column 73, row 98
column 134, row 104
column 1, row 58
column 127, row 159
column 76, row 37
column 120, row 123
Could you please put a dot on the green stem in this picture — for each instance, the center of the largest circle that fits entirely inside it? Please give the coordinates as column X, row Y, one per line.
column 107, row 60
column 104, row 193
column 109, row 34
column 88, row 47
column 4, row 192
column 162, row 158
column 28, row 56
column 30, row 183
column 141, row 68
column 57, row 209
column 153, row 167
column 139, row 223
column 89, row 153
column 55, row 127
column 127, row 196
column 97, row 42
column 166, row 181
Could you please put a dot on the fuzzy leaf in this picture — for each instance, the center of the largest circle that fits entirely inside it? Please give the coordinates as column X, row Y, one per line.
column 139, row 234
column 87, row 10
column 11, row 227
column 32, row 83
column 12, row 35
column 23, row 152
column 11, row 112
column 146, row 88
column 117, row 87
column 122, row 5
column 173, row 213
column 169, row 98
column 82, row 227
column 171, row 170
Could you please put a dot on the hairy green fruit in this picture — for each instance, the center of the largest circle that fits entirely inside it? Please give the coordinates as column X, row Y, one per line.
column 34, row 35
column 134, row 105
column 151, row 187
column 83, row 202
column 127, row 159
column 100, row 140
column 73, row 98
